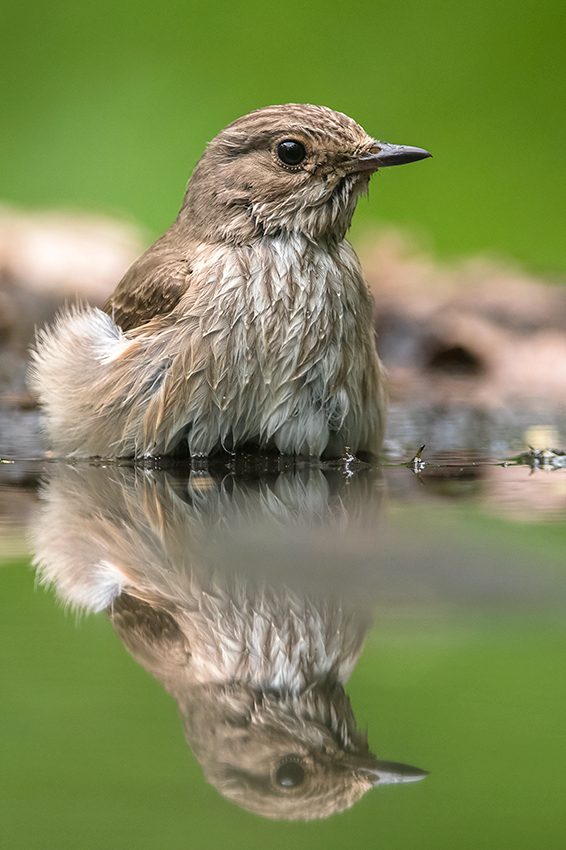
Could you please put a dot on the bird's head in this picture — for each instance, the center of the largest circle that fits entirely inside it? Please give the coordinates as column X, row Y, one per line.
column 291, row 168
column 285, row 755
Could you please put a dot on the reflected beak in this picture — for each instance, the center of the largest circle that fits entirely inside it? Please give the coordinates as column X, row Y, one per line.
column 385, row 154
column 390, row 772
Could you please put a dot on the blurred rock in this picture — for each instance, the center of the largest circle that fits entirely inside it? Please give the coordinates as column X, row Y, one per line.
column 66, row 254
column 478, row 332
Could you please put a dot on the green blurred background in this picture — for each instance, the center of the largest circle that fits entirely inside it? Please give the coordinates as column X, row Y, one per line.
column 107, row 106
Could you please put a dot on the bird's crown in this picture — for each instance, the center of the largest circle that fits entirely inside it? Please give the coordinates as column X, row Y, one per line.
column 281, row 169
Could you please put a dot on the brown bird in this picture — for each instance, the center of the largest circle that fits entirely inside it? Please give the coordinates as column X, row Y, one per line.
column 248, row 321
column 256, row 656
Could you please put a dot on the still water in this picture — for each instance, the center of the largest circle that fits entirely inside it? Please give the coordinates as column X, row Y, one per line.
column 317, row 637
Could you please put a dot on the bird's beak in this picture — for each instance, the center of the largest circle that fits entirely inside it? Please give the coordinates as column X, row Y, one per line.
column 384, row 154
column 389, row 772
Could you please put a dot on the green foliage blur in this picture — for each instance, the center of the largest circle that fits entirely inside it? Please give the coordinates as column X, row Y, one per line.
column 107, row 105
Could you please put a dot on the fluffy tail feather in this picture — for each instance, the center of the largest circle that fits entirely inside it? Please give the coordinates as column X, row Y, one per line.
column 79, row 375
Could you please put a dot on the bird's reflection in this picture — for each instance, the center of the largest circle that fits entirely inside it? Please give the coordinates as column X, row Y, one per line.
column 243, row 598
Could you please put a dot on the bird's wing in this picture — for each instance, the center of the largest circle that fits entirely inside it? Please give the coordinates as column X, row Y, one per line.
column 152, row 636
column 151, row 287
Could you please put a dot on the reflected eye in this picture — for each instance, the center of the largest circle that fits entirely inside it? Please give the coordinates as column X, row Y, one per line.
column 291, row 152
column 290, row 774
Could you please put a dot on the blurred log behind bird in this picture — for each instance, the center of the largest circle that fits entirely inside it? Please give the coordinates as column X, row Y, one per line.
column 480, row 331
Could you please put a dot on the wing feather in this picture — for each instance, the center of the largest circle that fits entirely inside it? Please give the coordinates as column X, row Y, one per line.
column 152, row 286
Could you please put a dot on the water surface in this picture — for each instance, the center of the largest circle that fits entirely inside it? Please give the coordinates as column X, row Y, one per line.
column 434, row 598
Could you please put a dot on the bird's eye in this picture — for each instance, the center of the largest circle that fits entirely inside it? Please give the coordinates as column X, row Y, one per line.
column 290, row 774
column 291, row 152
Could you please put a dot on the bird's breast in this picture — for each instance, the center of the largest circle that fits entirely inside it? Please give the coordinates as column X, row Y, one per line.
column 278, row 345
column 289, row 309
column 281, row 643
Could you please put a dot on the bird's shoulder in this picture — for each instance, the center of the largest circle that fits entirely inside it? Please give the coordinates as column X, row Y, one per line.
column 153, row 285
column 151, row 633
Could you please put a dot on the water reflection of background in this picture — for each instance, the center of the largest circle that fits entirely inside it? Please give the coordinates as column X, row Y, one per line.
column 460, row 673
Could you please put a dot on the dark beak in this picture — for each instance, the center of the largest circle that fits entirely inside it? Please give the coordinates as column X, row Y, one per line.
column 387, row 772
column 386, row 154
